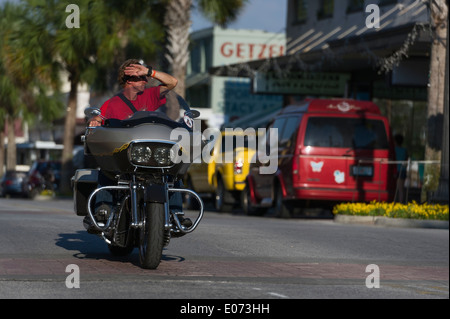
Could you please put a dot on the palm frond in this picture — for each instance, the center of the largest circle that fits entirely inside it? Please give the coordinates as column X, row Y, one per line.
column 221, row 12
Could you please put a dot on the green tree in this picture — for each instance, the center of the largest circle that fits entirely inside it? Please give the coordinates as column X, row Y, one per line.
column 130, row 29
column 28, row 75
column 108, row 31
column 74, row 49
column 10, row 102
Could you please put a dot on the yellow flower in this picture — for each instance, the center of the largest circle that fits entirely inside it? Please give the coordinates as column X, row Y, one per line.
column 410, row 210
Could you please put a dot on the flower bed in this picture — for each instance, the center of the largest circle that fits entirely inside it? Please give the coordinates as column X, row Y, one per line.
column 395, row 210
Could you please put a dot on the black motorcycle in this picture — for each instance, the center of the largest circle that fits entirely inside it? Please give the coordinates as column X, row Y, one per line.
column 142, row 160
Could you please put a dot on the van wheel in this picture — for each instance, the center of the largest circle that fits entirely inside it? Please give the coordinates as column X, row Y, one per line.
column 220, row 195
column 247, row 206
column 283, row 208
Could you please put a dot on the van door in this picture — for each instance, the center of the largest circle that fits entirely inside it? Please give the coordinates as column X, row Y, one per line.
column 286, row 147
column 369, row 170
column 264, row 182
column 343, row 158
column 322, row 165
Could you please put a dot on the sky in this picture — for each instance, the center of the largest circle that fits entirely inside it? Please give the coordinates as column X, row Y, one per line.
column 267, row 15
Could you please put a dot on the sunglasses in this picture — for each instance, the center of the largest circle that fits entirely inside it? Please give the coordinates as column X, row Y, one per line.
column 136, row 78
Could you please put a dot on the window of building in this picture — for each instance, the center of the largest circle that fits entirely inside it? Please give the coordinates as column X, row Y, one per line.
column 195, row 65
column 355, row 6
column 207, row 47
column 300, row 11
column 200, row 56
column 326, row 9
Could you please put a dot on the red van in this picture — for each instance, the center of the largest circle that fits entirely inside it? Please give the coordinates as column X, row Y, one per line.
column 328, row 150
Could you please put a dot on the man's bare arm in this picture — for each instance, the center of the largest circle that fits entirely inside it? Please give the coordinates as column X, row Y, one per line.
column 168, row 81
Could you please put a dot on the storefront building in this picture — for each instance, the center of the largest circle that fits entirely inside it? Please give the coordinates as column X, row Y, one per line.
column 223, row 99
column 368, row 50
column 376, row 50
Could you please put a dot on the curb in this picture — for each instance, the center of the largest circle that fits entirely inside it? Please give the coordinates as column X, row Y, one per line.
column 391, row 222
column 44, row 197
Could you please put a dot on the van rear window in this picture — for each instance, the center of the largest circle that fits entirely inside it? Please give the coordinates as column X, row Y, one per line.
column 358, row 133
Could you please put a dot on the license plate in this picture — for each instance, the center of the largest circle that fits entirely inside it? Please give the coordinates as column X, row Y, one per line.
column 362, row 170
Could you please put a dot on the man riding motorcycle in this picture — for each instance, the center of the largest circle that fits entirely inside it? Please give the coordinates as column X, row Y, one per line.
column 134, row 97
column 133, row 79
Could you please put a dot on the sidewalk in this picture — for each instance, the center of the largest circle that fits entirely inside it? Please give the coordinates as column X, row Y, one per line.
column 391, row 222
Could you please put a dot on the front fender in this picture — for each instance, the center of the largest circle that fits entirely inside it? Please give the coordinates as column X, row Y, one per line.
column 155, row 193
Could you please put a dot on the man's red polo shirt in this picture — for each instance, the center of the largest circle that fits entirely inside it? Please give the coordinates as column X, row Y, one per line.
column 149, row 100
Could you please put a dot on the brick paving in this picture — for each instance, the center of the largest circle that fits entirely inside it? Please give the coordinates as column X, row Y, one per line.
column 11, row 268
column 17, row 267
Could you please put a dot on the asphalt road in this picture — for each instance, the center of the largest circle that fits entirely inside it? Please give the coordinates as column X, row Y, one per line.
column 229, row 256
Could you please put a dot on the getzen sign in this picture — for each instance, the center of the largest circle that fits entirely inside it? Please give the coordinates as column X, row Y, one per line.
column 250, row 51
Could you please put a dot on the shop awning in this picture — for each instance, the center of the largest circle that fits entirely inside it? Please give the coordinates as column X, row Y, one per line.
column 348, row 54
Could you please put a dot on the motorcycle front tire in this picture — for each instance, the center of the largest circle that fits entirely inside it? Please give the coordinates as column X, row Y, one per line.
column 152, row 236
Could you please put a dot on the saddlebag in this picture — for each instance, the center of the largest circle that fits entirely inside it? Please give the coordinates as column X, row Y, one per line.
column 84, row 183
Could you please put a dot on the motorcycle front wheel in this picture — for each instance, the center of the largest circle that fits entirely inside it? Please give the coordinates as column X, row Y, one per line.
column 152, row 236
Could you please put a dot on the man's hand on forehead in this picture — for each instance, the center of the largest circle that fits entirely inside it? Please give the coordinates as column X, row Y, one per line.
column 135, row 70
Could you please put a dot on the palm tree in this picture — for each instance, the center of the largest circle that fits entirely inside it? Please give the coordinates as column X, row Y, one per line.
column 177, row 20
column 109, row 30
column 9, row 105
column 130, row 29
column 9, row 95
column 27, row 73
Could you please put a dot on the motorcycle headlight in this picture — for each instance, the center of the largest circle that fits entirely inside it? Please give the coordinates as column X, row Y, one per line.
column 163, row 155
column 141, row 154
column 152, row 154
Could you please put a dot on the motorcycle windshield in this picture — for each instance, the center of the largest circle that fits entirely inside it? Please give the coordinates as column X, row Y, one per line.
column 170, row 112
column 145, row 117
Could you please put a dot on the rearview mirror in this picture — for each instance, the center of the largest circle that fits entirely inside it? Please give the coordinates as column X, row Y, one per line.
column 92, row 111
column 193, row 113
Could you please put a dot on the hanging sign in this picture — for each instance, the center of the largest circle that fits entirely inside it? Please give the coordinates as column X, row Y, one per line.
column 302, row 83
